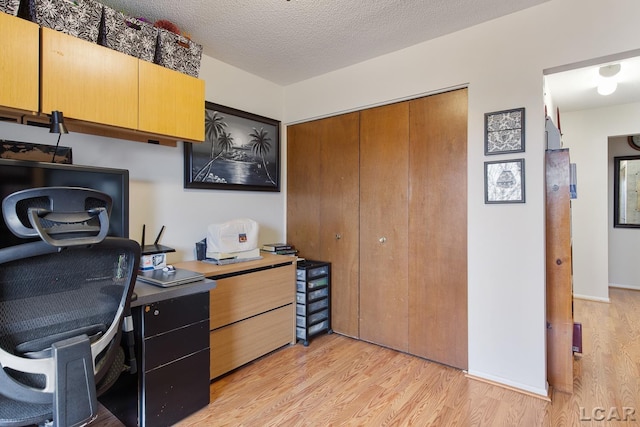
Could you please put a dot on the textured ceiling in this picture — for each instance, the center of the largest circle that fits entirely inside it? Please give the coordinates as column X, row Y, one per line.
column 288, row 41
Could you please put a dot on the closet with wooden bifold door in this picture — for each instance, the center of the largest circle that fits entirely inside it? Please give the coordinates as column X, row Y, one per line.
column 382, row 195
column 384, row 222
column 323, row 206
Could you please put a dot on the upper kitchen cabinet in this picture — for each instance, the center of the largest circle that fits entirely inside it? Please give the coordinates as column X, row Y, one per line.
column 171, row 103
column 88, row 82
column 18, row 64
column 109, row 93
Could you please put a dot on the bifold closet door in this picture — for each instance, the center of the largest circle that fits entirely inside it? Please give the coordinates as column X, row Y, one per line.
column 438, row 228
column 303, row 188
column 384, row 164
column 323, row 206
column 340, row 208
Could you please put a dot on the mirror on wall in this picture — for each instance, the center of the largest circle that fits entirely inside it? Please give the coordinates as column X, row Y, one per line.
column 626, row 201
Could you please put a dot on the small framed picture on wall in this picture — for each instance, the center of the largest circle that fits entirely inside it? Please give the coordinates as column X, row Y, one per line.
column 504, row 181
column 504, row 132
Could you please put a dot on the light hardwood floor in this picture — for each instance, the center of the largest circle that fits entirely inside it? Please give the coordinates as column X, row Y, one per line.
column 338, row 381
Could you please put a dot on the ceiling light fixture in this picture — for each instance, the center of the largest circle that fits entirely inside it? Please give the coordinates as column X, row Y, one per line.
column 607, row 82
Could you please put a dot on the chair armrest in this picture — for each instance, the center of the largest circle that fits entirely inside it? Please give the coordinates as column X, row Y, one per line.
column 75, row 402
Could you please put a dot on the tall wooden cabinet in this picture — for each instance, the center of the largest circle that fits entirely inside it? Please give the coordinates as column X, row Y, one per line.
column 409, row 177
column 559, row 271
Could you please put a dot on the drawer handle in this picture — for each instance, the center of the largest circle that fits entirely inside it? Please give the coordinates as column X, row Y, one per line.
column 338, row 236
column 382, row 239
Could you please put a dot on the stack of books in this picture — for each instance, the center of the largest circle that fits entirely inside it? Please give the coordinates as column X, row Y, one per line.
column 279, row 249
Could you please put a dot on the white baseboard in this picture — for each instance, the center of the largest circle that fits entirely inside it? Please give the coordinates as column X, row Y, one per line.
column 616, row 285
column 542, row 393
column 590, row 298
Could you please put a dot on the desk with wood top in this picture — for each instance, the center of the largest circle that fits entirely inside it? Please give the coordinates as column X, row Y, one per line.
column 252, row 309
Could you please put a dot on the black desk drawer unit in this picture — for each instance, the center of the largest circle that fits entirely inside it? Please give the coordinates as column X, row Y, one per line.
column 172, row 351
column 175, row 359
column 313, row 299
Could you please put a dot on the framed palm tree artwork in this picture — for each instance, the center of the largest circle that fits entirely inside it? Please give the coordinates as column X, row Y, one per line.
column 241, row 151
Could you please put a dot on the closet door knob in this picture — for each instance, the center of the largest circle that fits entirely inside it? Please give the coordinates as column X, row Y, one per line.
column 382, row 239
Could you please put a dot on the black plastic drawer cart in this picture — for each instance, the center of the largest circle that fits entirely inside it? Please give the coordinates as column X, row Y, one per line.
column 313, row 299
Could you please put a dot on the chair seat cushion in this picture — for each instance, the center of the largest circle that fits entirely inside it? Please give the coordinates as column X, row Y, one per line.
column 41, row 347
column 16, row 413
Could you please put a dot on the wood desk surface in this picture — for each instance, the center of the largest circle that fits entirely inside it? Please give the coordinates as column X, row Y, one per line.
column 213, row 270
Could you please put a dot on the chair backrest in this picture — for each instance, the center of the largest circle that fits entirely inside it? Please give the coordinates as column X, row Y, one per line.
column 62, row 301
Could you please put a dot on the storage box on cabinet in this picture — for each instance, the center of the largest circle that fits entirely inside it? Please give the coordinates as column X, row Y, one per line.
column 178, row 53
column 9, row 6
column 80, row 18
column 128, row 35
column 313, row 308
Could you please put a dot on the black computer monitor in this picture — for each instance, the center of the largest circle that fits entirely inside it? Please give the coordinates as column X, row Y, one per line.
column 16, row 175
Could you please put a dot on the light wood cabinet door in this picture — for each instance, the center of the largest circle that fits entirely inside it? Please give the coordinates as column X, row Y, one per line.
column 171, row 103
column 19, row 63
column 88, row 82
column 438, row 228
column 384, row 164
column 323, row 206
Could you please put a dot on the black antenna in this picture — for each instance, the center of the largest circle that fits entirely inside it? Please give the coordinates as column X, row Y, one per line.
column 159, row 234
column 142, row 242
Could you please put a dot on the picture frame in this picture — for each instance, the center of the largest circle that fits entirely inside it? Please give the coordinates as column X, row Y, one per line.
column 504, row 131
column 241, row 151
column 35, row 152
column 504, row 181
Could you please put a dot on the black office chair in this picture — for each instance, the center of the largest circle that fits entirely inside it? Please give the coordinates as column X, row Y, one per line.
column 62, row 303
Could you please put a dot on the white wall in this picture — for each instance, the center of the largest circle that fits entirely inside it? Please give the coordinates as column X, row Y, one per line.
column 586, row 133
column 157, row 196
column 502, row 63
column 624, row 243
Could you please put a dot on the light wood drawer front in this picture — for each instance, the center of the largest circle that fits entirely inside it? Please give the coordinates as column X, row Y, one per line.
column 239, row 297
column 242, row 342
